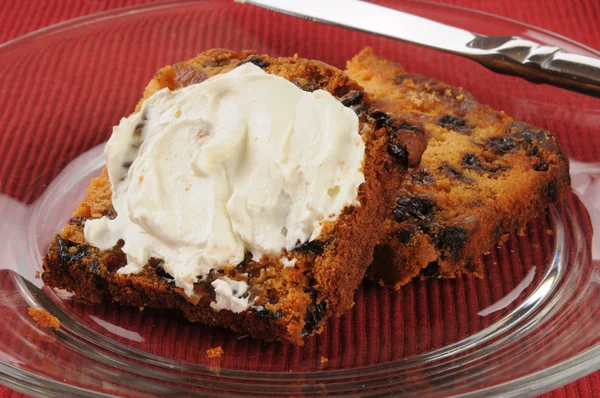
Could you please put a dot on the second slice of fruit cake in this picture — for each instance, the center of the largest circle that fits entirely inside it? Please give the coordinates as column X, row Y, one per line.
column 482, row 176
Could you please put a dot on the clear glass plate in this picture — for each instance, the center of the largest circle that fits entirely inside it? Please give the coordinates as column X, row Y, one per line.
column 531, row 324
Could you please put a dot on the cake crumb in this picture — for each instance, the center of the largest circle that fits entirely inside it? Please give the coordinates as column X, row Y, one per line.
column 44, row 318
column 38, row 275
column 460, row 97
column 324, row 359
column 214, row 352
column 549, row 232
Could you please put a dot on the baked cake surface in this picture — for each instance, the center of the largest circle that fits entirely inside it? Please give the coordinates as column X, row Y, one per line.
column 289, row 303
column 482, row 176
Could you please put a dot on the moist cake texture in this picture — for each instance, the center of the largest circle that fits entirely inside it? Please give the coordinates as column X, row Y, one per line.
column 482, row 176
column 289, row 303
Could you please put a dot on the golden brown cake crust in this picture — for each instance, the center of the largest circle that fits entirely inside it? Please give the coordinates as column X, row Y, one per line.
column 482, row 176
column 292, row 302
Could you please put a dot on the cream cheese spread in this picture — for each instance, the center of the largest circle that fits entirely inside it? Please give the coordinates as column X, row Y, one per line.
column 243, row 162
column 288, row 263
column 230, row 295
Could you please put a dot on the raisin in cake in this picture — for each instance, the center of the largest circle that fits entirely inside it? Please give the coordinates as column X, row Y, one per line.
column 482, row 176
column 287, row 302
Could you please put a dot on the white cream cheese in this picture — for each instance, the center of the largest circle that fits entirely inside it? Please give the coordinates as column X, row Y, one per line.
column 245, row 161
column 230, row 295
column 288, row 263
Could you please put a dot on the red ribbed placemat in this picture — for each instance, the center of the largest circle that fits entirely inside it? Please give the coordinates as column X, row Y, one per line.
column 577, row 20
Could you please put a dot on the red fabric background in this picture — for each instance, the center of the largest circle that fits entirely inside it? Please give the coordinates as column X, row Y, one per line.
column 576, row 19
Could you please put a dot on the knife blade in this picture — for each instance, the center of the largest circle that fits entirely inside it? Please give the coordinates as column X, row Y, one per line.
column 508, row 55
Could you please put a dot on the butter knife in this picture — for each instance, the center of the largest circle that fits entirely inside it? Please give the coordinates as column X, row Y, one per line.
column 508, row 55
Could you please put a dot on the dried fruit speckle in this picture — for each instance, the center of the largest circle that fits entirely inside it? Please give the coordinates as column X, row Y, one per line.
column 413, row 207
column 454, row 123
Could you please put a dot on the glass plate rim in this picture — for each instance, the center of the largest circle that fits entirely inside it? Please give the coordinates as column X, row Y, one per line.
column 537, row 382
column 94, row 159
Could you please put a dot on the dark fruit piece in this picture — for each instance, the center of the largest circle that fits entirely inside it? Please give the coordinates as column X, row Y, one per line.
column 501, row 145
column 315, row 246
column 452, row 239
column 455, row 174
column 70, row 252
column 265, row 313
column 78, row 220
column 472, row 161
column 306, row 85
column 404, row 235
column 99, row 280
column 399, row 153
column 528, row 134
column 381, row 119
column 314, row 315
column 352, row 98
column 411, row 127
column 110, row 213
column 423, row 176
column 454, row 123
column 164, row 275
column 256, row 60
column 413, row 207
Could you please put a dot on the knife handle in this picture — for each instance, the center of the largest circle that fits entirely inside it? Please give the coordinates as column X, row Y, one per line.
column 538, row 63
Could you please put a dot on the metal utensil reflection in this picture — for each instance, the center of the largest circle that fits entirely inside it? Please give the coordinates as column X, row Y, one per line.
column 508, row 55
